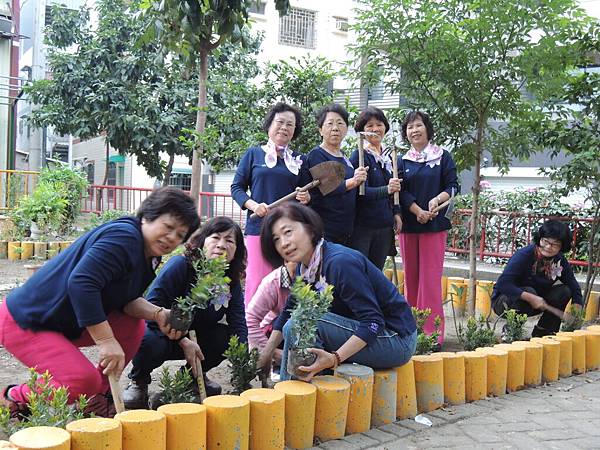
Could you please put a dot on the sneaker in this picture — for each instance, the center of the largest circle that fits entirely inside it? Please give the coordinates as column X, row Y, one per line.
column 135, row 395
column 101, row 405
column 504, row 337
column 17, row 410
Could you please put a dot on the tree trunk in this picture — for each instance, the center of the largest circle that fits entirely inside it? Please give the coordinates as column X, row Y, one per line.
column 474, row 222
column 107, row 161
column 200, row 125
column 592, row 259
column 168, row 170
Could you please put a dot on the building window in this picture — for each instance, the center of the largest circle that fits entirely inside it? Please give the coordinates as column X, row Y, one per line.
column 297, row 28
column 341, row 23
column 89, row 172
column 181, row 180
column 257, row 7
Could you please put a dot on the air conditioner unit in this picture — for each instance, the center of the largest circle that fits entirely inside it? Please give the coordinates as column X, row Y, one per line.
column 6, row 26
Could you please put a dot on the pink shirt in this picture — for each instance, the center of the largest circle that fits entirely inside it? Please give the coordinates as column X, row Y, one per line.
column 264, row 307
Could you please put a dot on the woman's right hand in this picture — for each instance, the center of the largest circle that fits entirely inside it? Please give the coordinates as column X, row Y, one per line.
column 360, row 175
column 162, row 320
column 261, row 209
column 112, row 357
column 394, row 185
column 265, row 361
column 423, row 216
column 192, row 354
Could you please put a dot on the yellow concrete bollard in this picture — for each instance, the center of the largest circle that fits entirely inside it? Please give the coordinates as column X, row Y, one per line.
column 429, row 382
column 551, row 359
column 361, row 380
column 385, row 389
column 591, row 309
column 444, row 288
column 593, row 327
column 389, row 274
column 227, row 422
column 578, row 350
column 186, row 426
column 534, row 356
column 267, row 418
column 53, row 249
column 40, row 250
column 37, row 438
column 95, row 434
column 64, row 245
column 333, row 394
column 14, row 251
column 565, row 361
column 406, row 391
column 483, row 296
column 592, row 348
column 457, row 290
column 497, row 370
column 454, row 378
column 143, row 429
column 6, row 444
column 515, row 371
column 26, row 250
column 300, row 406
column 3, row 252
column 475, row 375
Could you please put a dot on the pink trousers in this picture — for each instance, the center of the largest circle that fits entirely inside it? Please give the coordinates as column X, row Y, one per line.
column 423, row 260
column 258, row 267
column 61, row 357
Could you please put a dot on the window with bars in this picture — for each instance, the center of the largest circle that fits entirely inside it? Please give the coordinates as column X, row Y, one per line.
column 341, row 23
column 298, row 28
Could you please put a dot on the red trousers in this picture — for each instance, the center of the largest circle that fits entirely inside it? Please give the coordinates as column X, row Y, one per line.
column 61, row 357
column 423, row 260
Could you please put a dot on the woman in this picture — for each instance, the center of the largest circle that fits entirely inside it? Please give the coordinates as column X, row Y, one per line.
column 528, row 282
column 376, row 217
column 369, row 322
column 270, row 171
column 429, row 179
column 219, row 237
column 337, row 208
column 90, row 294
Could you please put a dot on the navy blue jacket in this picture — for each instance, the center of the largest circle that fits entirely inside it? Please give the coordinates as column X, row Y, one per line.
column 375, row 209
column 266, row 184
column 421, row 183
column 519, row 273
column 100, row 272
column 361, row 292
column 175, row 280
column 337, row 209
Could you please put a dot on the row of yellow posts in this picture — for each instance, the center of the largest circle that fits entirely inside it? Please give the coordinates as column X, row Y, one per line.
column 455, row 289
column 24, row 250
column 356, row 399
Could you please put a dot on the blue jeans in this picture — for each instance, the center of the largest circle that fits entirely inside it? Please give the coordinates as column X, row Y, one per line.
column 387, row 351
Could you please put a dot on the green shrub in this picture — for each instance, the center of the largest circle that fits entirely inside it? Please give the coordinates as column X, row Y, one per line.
column 476, row 333
column 106, row 216
column 243, row 364
column 578, row 316
column 70, row 185
column 425, row 342
column 177, row 388
column 514, row 329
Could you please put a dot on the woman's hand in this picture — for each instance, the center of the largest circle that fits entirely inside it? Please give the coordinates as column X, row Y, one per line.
column 397, row 223
column 162, row 320
column 265, row 361
column 302, row 196
column 112, row 357
column 394, row 185
column 192, row 354
column 424, row 216
column 325, row 360
column 261, row 209
column 360, row 175
column 434, row 203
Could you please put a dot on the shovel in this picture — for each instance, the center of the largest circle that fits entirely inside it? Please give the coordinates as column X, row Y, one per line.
column 115, row 390
column 327, row 176
column 199, row 374
column 564, row 316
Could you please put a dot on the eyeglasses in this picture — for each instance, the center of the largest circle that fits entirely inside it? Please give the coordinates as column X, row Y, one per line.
column 281, row 124
column 544, row 242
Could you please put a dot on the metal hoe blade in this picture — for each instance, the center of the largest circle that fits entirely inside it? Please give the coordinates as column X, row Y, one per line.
column 330, row 174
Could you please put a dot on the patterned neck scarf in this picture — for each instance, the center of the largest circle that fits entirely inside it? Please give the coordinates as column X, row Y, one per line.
column 384, row 159
column 431, row 154
column 273, row 151
column 310, row 273
column 285, row 281
column 546, row 266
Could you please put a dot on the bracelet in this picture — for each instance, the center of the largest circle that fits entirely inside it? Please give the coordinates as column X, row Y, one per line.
column 156, row 313
column 338, row 360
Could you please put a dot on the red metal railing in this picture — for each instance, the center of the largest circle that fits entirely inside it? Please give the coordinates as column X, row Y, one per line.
column 15, row 184
column 501, row 233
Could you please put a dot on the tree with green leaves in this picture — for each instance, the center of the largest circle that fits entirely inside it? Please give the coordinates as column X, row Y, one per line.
column 468, row 62
column 194, row 29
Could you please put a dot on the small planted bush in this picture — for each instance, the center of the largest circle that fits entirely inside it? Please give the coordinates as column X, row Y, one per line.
column 576, row 321
column 476, row 333
column 243, row 364
column 426, row 343
column 177, row 388
column 514, row 330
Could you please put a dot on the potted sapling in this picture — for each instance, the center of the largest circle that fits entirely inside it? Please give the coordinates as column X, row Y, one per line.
column 211, row 286
column 310, row 305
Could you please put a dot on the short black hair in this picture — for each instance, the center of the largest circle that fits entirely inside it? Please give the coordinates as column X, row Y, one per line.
column 219, row 224
column 294, row 211
column 334, row 108
column 281, row 107
column 554, row 229
column 414, row 115
column 170, row 200
column 370, row 113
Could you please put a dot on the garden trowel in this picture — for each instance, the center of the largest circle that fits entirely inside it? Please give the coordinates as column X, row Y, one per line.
column 327, row 176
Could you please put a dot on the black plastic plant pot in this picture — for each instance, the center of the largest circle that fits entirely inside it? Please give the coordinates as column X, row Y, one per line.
column 179, row 319
column 299, row 357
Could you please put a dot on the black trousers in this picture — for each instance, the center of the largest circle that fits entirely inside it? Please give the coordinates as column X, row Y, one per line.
column 375, row 243
column 558, row 297
column 156, row 348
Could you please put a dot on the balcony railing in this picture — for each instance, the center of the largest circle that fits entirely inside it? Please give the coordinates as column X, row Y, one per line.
column 15, row 184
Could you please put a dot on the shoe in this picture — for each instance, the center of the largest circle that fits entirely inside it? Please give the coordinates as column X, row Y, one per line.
column 135, row 396
column 17, row 410
column 101, row 405
column 540, row 332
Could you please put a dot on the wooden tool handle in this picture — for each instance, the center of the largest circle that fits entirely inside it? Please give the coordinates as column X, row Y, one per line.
column 290, row 196
column 115, row 390
column 361, row 161
column 395, row 174
column 442, row 206
column 199, row 373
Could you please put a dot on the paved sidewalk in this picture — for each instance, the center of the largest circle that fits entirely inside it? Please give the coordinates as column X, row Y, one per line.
column 561, row 415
